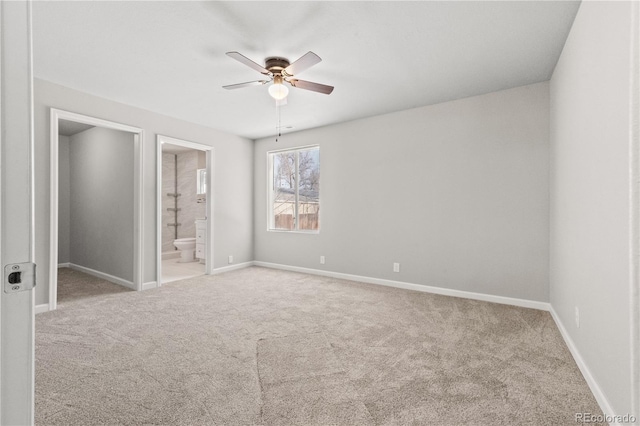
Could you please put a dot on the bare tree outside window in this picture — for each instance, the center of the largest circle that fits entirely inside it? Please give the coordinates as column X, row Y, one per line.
column 295, row 192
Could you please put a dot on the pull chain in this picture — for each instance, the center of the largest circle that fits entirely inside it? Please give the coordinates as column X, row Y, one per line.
column 278, row 127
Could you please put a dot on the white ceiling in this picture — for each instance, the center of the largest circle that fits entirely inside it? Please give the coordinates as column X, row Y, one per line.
column 70, row 128
column 169, row 56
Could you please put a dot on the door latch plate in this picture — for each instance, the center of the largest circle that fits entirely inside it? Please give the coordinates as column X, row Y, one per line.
column 19, row 277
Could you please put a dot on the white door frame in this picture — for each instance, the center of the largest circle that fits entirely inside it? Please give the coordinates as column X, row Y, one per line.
column 634, row 133
column 55, row 115
column 161, row 139
column 17, row 212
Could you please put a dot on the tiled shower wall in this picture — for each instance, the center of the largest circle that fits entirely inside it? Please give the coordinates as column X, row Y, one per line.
column 190, row 209
column 168, row 186
column 187, row 175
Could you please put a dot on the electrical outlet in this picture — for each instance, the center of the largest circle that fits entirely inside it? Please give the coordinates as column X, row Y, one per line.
column 577, row 312
column 322, row 260
column 396, row 267
column 230, row 259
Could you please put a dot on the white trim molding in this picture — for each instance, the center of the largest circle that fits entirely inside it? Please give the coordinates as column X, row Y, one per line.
column 54, row 116
column 17, row 210
column 149, row 285
column 42, row 308
column 532, row 304
column 230, row 268
column 634, row 211
column 102, row 275
column 602, row 400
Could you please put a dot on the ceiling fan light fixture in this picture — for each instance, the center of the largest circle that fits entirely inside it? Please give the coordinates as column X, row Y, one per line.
column 277, row 90
column 279, row 70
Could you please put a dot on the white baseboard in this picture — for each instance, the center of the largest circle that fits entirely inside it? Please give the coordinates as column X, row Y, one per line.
column 232, row 268
column 170, row 255
column 110, row 278
column 591, row 381
column 149, row 285
column 64, row 265
column 543, row 306
column 42, row 308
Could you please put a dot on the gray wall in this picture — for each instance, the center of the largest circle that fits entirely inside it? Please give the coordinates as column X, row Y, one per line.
column 64, row 193
column 101, row 201
column 456, row 192
column 590, row 194
column 233, row 176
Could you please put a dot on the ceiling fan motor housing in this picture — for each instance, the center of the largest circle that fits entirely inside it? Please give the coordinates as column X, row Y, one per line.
column 276, row 64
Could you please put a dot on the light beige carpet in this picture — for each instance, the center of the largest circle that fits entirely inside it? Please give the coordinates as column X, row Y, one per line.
column 266, row 347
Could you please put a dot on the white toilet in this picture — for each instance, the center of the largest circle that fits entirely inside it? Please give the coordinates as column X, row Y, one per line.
column 187, row 247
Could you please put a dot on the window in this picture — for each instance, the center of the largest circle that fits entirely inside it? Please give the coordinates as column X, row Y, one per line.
column 201, row 181
column 294, row 189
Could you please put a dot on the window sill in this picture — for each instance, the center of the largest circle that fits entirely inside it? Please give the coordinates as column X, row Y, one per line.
column 286, row 231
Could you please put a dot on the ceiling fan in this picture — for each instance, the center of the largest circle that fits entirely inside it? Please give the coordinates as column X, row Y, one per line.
column 279, row 71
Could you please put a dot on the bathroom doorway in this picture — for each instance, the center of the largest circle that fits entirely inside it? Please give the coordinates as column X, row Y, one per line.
column 184, row 206
column 95, row 204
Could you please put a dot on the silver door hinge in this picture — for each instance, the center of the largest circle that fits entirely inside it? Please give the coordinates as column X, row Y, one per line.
column 19, row 277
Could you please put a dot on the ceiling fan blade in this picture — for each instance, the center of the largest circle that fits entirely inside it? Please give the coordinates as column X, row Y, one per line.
column 247, row 84
column 306, row 61
column 248, row 62
column 308, row 85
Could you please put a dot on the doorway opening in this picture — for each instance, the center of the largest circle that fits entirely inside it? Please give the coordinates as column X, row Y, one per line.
column 184, row 209
column 95, row 200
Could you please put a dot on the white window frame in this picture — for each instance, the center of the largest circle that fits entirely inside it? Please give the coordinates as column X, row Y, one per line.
column 271, row 192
